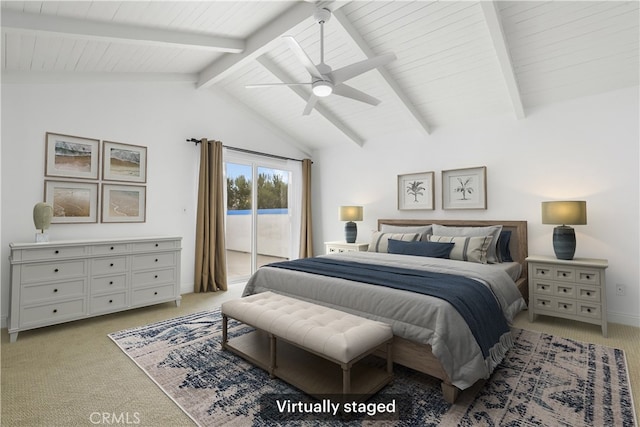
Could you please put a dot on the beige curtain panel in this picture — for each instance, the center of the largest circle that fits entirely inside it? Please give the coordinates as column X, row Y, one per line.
column 306, row 233
column 211, row 260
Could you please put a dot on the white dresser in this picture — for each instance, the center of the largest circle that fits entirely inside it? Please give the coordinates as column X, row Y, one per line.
column 572, row 289
column 58, row 282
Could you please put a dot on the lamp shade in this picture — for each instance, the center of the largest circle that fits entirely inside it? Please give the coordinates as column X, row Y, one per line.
column 573, row 212
column 351, row 213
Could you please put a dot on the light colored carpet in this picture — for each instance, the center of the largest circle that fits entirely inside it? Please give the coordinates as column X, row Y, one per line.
column 63, row 375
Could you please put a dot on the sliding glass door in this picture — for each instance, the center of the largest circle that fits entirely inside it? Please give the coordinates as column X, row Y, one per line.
column 260, row 208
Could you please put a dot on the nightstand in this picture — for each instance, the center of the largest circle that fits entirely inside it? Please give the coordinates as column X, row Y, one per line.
column 337, row 247
column 573, row 289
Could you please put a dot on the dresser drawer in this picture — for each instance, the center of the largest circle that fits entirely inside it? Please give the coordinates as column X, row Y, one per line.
column 52, row 313
column 108, row 265
column 49, row 271
column 108, row 283
column 542, row 271
column 108, row 303
column 543, row 302
column 588, row 277
column 145, row 278
column 155, row 245
column 48, row 253
column 46, row 292
column 564, row 274
column 116, row 248
column 565, row 306
column 150, row 295
column 157, row 260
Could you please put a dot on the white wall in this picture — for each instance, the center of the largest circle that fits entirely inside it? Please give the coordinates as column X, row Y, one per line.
column 157, row 115
column 585, row 149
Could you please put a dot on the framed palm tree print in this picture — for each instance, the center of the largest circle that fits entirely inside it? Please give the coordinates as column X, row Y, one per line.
column 415, row 191
column 464, row 188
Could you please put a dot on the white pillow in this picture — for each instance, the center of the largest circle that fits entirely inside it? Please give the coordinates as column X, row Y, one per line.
column 424, row 230
column 466, row 248
column 492, row 230
column 380, row 241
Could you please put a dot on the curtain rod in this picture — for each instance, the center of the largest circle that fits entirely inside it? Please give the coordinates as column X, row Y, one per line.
column 244, row 150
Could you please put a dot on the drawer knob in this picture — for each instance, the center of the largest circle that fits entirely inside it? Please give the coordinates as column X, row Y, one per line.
column 156, row 260
column 542, row 272
column 588, row 277
column 588, row 294
column 155, row 293
column 156, row 245
column 55, row 310
column 564, row 274
column 111, row 248
column 111, row 265
column 588, row 310
column 564, row 290
column 56, row 251
column 55, row 270
column 111, row 282
column 564, row 306
column 55, row 290
column 110, row 301
column 155, row 277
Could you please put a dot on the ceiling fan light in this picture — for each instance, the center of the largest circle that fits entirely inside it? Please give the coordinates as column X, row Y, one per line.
column 322, row 89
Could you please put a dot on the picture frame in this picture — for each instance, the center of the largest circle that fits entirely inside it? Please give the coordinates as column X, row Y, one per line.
column 415, row 191
column 124, row 162
column 123, row 203
column 68, row 156
column 73, row 201
column 464, row 188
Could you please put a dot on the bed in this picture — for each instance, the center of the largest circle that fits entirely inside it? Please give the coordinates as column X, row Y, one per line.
column 430, row 335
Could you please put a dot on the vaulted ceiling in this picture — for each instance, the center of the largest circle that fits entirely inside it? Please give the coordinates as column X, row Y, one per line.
column 456, row 60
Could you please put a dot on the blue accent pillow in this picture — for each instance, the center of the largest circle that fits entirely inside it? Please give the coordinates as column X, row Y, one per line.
column 430, row 249
column 502, row 248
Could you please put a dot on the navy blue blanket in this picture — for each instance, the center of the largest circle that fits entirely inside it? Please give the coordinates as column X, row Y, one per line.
column 473, row 300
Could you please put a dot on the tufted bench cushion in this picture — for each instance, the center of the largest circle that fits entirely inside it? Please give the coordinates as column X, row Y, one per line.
column 330, row 336
column 332, row 333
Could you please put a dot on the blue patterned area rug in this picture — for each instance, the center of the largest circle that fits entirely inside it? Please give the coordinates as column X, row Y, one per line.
column 543, row 381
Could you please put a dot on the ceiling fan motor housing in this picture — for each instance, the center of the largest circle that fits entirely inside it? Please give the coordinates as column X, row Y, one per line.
column 322, row 15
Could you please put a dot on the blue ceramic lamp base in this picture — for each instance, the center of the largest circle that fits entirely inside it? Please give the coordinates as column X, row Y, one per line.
column 564, row 242
column 350, row 232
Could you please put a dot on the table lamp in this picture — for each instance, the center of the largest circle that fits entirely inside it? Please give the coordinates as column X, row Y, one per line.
column 564, row 213
column 350, row 214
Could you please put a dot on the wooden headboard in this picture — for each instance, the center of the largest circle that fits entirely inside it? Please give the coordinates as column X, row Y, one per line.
column 518, row 245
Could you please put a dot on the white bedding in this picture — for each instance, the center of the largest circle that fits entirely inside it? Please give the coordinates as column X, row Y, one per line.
column 420, row 318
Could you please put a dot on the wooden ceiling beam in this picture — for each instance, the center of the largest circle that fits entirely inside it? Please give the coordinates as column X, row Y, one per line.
column 280, row 74
column 397, row 91
column 106, row 31
column 257, row 44
column 496, row 32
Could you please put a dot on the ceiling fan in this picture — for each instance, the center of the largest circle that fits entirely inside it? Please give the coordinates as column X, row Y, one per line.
column 324, row 80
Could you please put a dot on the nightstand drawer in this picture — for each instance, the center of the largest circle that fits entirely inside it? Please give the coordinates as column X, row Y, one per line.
column 564, row 290
column 590, row 310
column 564, row 274
column 543, row 303
column 542, row 271
column 543, row 288
column 588, row 293
column 565, row 306
column 590, row 277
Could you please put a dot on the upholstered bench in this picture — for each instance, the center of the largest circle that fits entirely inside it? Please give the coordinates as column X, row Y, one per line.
column 294, row 340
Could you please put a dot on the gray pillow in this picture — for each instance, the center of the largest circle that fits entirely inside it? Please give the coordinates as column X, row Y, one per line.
column 424, row 230
column 466, row 248
column 380, row 241
column 492, row 230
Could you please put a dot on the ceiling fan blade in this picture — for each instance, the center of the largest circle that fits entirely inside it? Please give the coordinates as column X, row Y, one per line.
column 353, row 93
column 350, row 71
column 303, row 57
column 259, row 85
column 311, row 103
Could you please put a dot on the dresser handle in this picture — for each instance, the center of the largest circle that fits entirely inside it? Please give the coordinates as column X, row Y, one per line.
column 588, row 277
column 564, row 274
column 110, row 301
column 56, row 251
column 155, row 293
column 564, row 290
column 155, row 277
column 542, row 272
column 111, row 248
column 55, row 310
column 111, row 265
column 588, row 294
column 156, row 245
column 111, row 282
column 564, row 306
column 156, row 260
column 588, row 310
column 55, row 270
column 55, row 290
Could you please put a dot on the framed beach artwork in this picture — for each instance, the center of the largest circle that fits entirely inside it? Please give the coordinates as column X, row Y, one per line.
column 124, row 162
column 72, row 201
column 123, row 203
column 464, row 188
column 71, row 156
column 415, row 191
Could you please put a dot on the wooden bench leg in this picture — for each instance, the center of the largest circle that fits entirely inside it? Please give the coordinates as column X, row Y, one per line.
column 389, row 358
column 346, row 378
column 224, row 330
column 273, row 355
